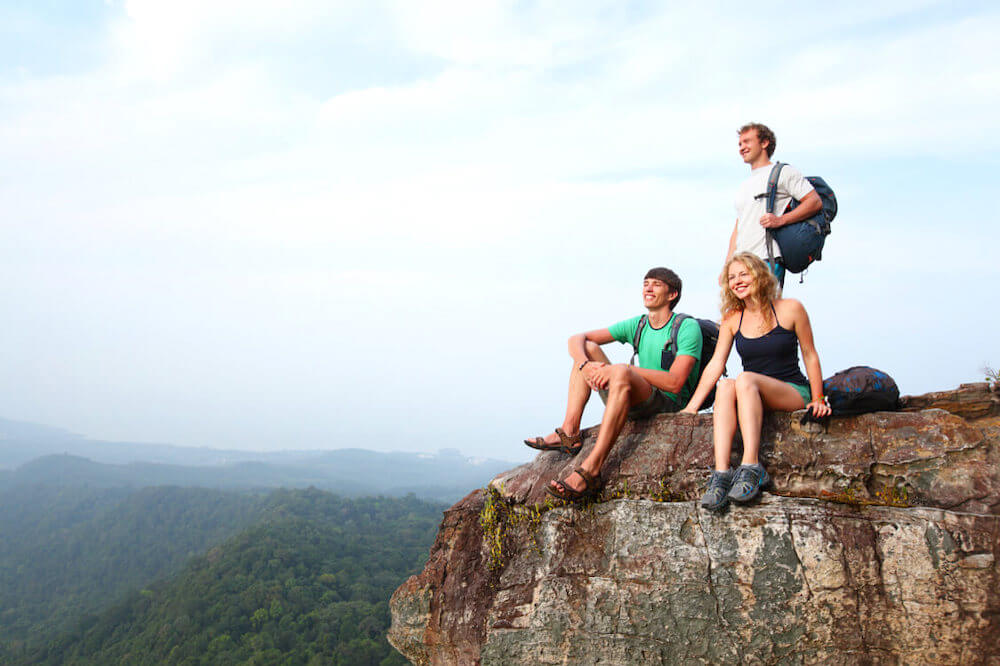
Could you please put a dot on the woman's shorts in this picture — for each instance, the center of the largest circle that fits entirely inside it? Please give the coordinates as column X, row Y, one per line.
column 803, row 390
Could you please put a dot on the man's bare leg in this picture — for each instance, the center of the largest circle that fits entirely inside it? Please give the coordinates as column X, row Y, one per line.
column 579, row 394
column 626, row 389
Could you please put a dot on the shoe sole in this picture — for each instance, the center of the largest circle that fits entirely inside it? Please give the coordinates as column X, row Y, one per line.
column 716, row 507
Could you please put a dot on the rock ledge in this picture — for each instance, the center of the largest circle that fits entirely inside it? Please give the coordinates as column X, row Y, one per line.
column 880, row 545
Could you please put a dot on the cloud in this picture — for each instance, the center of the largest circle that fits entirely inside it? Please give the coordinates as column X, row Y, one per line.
column 163, row 39
column 246, row 199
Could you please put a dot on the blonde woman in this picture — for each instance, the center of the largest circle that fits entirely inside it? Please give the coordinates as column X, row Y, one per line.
column 768, row 332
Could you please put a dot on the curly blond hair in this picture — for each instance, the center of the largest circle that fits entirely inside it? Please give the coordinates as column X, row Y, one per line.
column 764, row 288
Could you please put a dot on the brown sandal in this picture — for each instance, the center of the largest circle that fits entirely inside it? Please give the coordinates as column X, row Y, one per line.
column 570, row 444
column 591, row 485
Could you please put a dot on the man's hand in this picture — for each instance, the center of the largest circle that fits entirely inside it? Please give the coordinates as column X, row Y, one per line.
column 771, row 221
column 590, row 373
column 809, row 206
column 595, row 374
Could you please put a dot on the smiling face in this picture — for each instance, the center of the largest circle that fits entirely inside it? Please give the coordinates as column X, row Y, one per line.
column 656, row 293
column 741, row 280
column 751, row 149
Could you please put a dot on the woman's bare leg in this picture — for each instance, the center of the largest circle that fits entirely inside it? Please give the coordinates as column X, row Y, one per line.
column 754, row 392
column 724, row 422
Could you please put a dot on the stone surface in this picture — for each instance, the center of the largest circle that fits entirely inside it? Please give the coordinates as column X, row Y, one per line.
column 930, row 457
column 970, row 401
column 881, row 545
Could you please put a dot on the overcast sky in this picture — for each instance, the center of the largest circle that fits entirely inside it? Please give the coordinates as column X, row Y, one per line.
column 316, row 224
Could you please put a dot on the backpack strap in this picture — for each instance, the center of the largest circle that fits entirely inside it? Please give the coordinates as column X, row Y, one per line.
column 772, row 195
column 679, row 318
column 635, row 338
column 772, row 185
column 675, row 327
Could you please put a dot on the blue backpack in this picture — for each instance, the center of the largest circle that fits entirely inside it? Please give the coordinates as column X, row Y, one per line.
column 801, row 243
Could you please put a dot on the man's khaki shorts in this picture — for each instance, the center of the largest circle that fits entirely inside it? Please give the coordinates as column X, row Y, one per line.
column 656, row 403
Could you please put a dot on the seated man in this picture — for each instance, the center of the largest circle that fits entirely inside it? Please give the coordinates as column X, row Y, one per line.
column 627, row 390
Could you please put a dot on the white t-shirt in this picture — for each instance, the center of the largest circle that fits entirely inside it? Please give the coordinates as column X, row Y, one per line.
column 750, row 236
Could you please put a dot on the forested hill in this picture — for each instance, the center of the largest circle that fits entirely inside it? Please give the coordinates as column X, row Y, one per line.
column 68, row 551
column 302, row 576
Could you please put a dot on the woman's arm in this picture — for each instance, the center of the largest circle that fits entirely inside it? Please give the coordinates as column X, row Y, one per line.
column 713, row 370
column 803, row 330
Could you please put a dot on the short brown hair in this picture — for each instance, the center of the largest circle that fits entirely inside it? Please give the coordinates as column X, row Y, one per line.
column 667, row 277
column 764, row 133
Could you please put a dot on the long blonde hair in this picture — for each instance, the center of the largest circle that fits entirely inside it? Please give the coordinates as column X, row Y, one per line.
column 764, row 288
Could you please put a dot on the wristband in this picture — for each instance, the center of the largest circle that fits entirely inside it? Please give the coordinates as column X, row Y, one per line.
column 580, row 368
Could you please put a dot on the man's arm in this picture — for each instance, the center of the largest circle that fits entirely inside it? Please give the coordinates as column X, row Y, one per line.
column 670, row 381
column 732, row 242
column 689, row 343
column 578, row 343
column 593, row 372
column 809, row 206
column 729, row 253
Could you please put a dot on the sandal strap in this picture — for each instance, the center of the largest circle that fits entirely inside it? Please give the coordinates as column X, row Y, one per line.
column 569, row 443
column 567, row 439
column 588, row 480
column 566, row 493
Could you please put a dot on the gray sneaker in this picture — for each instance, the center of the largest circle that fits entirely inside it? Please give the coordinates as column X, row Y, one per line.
column 748, row 482
column 715, row 497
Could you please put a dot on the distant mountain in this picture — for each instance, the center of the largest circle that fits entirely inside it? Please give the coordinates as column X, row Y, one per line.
column 21, row 441
column 43, row 455
column 304, row 578
column 349, row 472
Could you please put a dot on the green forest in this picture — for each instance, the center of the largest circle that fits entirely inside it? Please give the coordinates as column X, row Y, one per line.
column 198, row 576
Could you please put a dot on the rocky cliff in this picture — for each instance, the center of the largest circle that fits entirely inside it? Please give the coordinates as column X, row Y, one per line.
column 879, row 544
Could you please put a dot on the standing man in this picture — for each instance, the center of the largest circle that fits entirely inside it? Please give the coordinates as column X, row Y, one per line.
column 627, row 390
column 757, row 144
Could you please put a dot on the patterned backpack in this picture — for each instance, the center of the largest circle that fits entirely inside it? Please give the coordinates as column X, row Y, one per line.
column 861, row 389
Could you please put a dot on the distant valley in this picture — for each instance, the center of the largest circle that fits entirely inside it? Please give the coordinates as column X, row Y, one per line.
column 120, row 552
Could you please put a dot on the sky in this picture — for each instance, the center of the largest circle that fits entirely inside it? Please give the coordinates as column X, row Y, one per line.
column 315, row 225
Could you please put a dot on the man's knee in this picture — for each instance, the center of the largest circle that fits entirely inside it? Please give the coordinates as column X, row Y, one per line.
column 620, row 379
column 592, row 348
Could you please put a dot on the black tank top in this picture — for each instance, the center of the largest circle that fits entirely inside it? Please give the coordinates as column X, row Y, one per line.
column 775, row 354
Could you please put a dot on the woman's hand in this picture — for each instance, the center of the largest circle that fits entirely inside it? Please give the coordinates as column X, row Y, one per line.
column 689, row 410
column 819, row 408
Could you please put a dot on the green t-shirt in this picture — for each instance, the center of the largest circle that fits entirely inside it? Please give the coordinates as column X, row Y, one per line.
column 651, row 347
